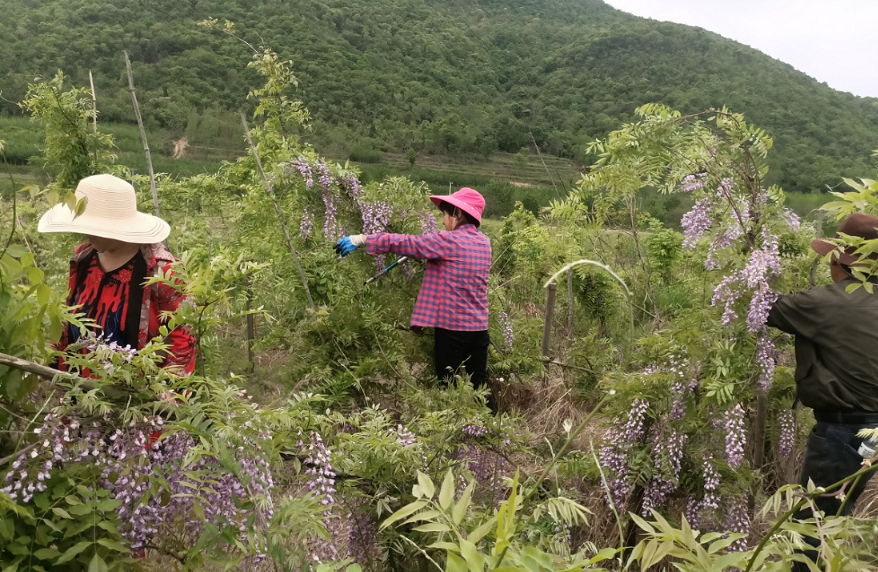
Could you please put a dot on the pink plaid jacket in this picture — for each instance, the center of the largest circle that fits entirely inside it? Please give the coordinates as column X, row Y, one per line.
column 454, row 294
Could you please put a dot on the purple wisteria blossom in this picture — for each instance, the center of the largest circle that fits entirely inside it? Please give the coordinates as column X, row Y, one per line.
column 766, row 360
column 761, row 269
column 428, row 222
column 736, row 436
column 721, row 241
column 710, row 500
column 787, row 419
column 506, row 328
column 304, row 168
column 667, row 460
column 487, row 467
column 693, row 182
column 130, row 458
column 306, row 226
column 693, row 512
column 737, row 520
column 792, row 220
column 475, row 430
column 614, row 451
column 695, row 223
column 404, row 437
column 322, row 483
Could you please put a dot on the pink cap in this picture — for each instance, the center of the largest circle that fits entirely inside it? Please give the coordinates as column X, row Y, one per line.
column 466, row 199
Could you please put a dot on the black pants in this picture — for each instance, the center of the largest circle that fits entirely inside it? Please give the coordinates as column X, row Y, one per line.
column 456, row 352
column 831, row 456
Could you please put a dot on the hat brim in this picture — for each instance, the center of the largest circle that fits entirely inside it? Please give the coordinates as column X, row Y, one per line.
column 824, row 247
column 141, row 228
column 438, row 199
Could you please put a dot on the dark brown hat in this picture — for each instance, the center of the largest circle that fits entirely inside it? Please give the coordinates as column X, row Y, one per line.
column 858, row 224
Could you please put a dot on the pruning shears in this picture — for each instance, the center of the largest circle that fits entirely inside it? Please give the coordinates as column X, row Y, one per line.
column 386, row 270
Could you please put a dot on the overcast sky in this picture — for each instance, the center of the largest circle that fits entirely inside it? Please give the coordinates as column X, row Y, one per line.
column 835, row 41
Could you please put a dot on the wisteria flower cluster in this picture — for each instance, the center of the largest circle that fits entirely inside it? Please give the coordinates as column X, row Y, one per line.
column 762, row 268
column 787, row 419
column 618, row 441
column 129, row 459
column 105, row 350
column 736, row 436
column 695, row 223
column 693, row 182
column 667, row 462
column 306, row 226
column 322, row 483
column 737, row 520
column 404, row 437
column 488, row 467
column 506, row 328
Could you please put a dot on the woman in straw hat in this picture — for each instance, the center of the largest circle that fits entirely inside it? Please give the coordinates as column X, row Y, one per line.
column 454, row 294
column 107, row 274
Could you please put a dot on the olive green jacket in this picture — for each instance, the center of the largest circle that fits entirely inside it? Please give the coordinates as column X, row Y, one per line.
column 836, row 346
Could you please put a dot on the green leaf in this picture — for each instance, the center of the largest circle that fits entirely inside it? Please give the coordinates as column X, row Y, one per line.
column 72, row 500
column 426, row 485
column 35, row 276
column 446, row 494
column 16, row 250
column 479, row 533
column 46, row 553
column 113, row 545
column 73, row 551
column 14, row 566
column 474, row 560
column 433, row 527
column 354, row 568
column 441, row 545
column 454, row 563
column 459, row 509
column 107, row 505
column 404, row 512
column 62, row 513
column 44, row 294
column 97, row 564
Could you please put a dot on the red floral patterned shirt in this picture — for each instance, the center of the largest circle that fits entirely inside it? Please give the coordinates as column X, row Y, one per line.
column 126, row 310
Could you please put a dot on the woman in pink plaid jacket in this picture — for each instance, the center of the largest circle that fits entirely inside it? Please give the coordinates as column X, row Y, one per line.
column 454, row 294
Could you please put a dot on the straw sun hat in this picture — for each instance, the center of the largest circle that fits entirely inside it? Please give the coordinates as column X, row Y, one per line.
column 111, row 212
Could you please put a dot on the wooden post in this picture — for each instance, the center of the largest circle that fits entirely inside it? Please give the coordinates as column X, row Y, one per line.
column 270, row 191
column 819, row 235
column 570, row 303
column 251, row 325
column 94, row 103
column 155, row 195
column 550, row 317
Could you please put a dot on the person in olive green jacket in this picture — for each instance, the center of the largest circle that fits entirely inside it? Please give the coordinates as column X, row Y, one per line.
column 836, row 367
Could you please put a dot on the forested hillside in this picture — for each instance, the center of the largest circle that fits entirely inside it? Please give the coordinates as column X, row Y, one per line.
column 447, row 77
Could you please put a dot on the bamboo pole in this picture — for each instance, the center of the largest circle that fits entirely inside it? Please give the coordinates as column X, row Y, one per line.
column 270, row 191
column 540, row 155
column 94, row 103
column 152, row 188
column 550, row 317
column 570, row 303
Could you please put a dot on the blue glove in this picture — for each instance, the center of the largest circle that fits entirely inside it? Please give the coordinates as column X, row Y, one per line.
column 349, row 244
